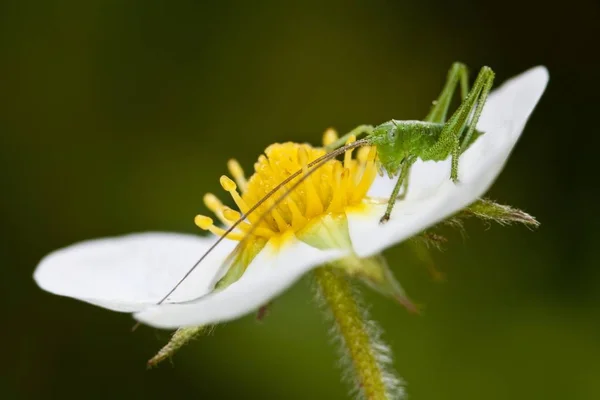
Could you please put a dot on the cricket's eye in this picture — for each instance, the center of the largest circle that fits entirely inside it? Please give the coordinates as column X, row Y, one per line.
column 392, row 135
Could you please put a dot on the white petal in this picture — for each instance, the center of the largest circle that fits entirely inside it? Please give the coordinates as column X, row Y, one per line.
column 432, row 196
column 272, row 271
column 129, row 273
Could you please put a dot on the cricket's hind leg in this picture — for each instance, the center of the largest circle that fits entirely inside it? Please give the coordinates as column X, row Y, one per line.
column 451, row 140
column 486, row 80
column 472, row 105
column 457, row 75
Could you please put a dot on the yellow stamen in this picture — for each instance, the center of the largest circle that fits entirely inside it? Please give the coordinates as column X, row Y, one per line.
column 348, row 153
column 328, row 190
column 231, row 187
column 337, row 199
column 343, row 187
column 214, row 204
column 313, row 203
column 238, row 174
column 281, row 224
column 368, row 176
column 362, row 154
column 227, row 183
column 206, row 223
column 329, row 137
column 297, row 218
column 203, row 222
column 231, row 215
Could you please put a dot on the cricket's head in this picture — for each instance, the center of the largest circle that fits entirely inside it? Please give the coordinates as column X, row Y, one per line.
column 388, row 138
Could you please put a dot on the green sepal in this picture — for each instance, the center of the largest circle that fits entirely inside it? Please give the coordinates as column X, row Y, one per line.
column 375, row 273
column 179, row 338
column 489, row 210
column 241, row 260
column 422, row 247
column 429, row 240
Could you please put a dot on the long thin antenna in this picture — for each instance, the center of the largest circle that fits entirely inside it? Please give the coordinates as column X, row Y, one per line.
column 316, row 164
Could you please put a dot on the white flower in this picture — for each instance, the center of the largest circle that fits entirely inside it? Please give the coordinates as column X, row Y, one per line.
column 331, row 217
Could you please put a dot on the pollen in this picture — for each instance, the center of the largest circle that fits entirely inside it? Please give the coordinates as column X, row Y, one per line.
column 329, row 190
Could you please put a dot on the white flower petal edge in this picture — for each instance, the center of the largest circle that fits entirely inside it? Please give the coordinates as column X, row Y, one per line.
column 432, row 196
column 271, row 272
column 132, row 272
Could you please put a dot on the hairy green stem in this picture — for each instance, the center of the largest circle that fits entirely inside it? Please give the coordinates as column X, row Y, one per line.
column 180, row 337
column 359, row 337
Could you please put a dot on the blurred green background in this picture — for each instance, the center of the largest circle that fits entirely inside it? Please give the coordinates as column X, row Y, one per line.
column 117, row 116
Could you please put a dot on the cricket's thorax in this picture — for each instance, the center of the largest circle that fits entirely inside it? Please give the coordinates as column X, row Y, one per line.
column 328, row 191
column 399, row 140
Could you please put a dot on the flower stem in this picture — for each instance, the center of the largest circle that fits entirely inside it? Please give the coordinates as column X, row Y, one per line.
column 359, row 337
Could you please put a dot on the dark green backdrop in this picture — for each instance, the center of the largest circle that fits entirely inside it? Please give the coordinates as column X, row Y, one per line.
column 116, row 116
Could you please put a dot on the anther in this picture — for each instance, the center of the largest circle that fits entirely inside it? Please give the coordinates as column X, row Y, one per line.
column 212, row 202
column 348, row 153
column 227, row 184
column 231, row 187
column 238, row 174
column 206, row 223
column 231, row 215
column 203, row 222
column 362, row 154
column 329, row 137
column 372, row 154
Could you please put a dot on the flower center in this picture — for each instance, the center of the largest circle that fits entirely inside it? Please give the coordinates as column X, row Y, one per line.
column 327, row 191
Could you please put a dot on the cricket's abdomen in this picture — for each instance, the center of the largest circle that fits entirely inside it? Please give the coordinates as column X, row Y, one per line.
column 419, row 139
column 400, row 140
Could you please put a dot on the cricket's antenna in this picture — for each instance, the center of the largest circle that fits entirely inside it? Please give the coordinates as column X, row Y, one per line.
column 316, row 164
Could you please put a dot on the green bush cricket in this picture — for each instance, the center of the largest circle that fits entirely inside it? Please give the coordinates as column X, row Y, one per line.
column 399, row 144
